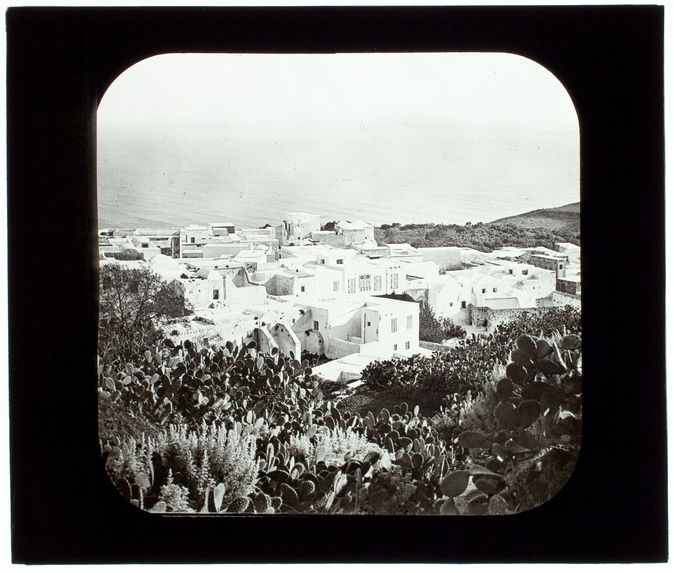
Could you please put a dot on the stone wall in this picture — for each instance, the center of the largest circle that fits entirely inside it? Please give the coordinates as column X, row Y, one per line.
column 568, row 286
column 494, row 317
column 563, row 299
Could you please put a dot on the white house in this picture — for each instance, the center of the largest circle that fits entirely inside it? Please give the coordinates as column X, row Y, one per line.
column 404, row 251
column 355, row 232
column 291, row 283
column 193, row 234
column 496, row 286
column 298, row 226
column 373, row 326
column 221, row 229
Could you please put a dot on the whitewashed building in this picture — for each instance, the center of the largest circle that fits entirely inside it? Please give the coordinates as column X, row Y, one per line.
column 373, row 326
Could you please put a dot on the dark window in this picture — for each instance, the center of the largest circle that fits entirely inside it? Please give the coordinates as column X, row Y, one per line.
column 340, row 261
column 463, row 304
column 302, row 288
column 484, row 290
column 494, row 289
column 216, row 294
column 315, row 325
column 192, row 240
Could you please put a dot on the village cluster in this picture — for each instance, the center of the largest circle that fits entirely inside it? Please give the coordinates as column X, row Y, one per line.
column 301, row 289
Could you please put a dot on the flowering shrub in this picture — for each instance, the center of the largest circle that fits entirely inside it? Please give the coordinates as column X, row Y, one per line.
column 185, row 465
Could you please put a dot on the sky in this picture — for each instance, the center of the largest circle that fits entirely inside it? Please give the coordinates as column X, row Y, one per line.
column 443, row 138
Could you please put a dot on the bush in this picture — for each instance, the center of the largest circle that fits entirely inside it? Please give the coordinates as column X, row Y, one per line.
column 417, row 370
column 180, row 467
column 437, row 330
column 483, row 237
column 129, row 255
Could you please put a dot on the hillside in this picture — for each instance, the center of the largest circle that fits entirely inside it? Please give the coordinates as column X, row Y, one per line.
column 565, row 218
column 543, row 227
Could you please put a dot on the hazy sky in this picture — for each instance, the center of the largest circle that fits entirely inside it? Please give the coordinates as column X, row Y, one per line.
column 479, row 135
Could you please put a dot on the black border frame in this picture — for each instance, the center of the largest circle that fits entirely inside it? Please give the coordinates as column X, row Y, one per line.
column 64, row 510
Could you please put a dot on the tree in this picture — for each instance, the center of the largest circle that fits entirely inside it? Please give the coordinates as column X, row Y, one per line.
column 433, row 330
column 131, row 302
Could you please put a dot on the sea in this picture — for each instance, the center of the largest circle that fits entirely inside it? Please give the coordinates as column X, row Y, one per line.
column 175, row 179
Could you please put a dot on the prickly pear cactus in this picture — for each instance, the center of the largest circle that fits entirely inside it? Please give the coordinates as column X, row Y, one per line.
column 532, row 452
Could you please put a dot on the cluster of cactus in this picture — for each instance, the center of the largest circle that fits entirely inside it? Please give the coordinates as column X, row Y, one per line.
column 420, row 481
column 532, row 451
column 406, row 470
column 297, row 484
column 394, row 462
column 186, row 383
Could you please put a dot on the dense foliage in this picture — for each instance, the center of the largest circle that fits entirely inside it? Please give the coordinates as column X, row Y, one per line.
column 433, row 329
column 131, row 302
column 225, row 428
column 482, row 237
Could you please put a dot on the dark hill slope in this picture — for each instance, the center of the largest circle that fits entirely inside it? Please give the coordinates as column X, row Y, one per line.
column 565, row 219
column 540, row 228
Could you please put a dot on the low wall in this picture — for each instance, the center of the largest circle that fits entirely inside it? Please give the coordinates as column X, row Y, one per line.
column 563, row 299
column 337, row 348
column 494, row 317
column 199, row 333
column 433, row 346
